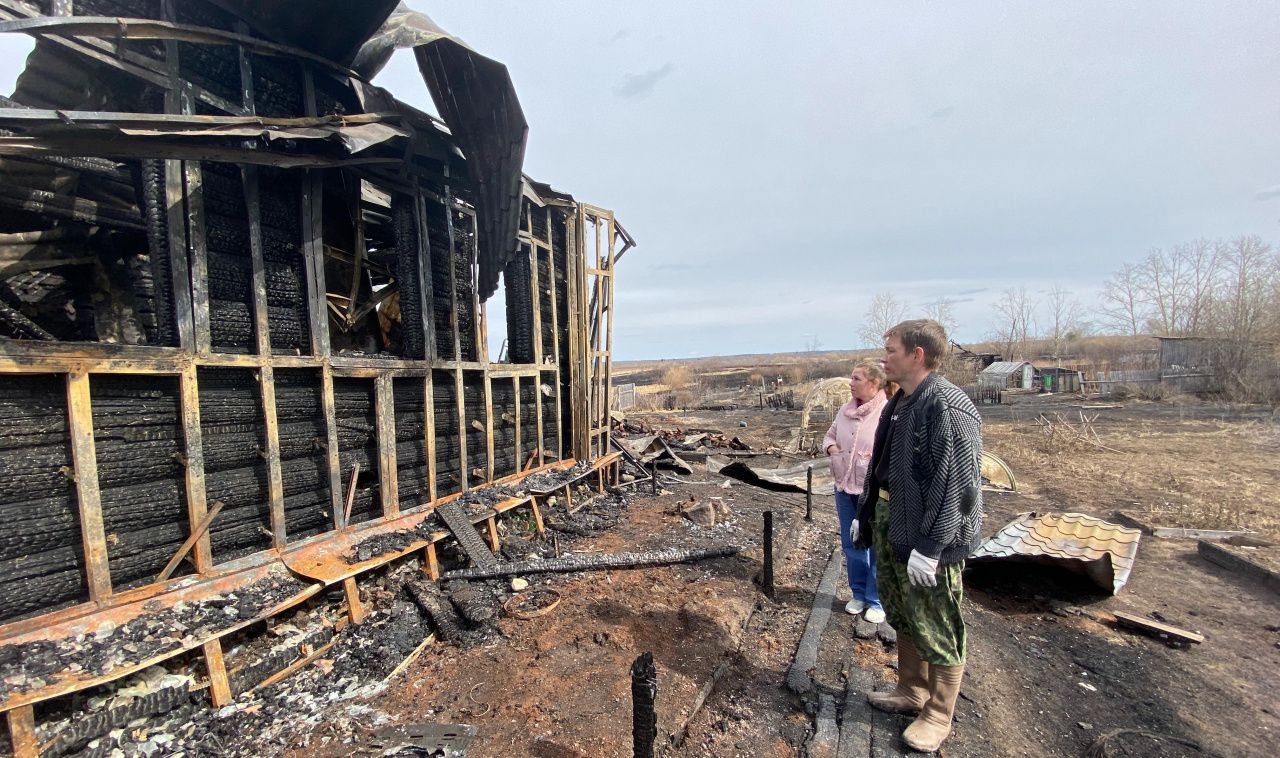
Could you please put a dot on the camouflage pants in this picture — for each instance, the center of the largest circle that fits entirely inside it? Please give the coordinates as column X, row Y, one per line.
column 929, row 615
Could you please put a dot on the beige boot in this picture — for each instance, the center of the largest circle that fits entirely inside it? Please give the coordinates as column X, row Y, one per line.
column 933, row 725
column 913, row 682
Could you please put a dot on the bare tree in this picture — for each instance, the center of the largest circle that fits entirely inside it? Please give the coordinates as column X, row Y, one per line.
column 1244, row 318
column 1202, row 261
column 1165, row 285
column 1016, row 322
column 943, row 311
column 1065, row 318
column 1124, row 303
column 885, row 312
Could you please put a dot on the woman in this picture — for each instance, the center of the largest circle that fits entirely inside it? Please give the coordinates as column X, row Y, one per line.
column 848, row 444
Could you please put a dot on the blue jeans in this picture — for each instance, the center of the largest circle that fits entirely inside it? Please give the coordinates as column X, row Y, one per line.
column 861, row 564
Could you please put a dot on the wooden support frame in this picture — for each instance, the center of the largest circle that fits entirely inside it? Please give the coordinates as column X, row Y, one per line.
column 193, row 450
column 22, row 732
column 88, row 495
column 384, row 413
column 219, row 682
column 429, row 431
column 194, row 350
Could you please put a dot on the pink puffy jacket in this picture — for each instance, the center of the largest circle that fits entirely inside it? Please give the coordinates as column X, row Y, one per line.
column 854, row 431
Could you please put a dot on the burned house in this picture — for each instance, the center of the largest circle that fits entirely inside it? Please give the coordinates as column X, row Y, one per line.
column 242, row 320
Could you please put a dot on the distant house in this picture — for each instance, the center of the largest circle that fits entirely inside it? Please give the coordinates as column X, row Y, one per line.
column 1007, row 375
column 1187, row 363
column 1055, row 379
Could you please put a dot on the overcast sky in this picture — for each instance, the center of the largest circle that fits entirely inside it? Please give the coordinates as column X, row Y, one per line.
column 779, row 163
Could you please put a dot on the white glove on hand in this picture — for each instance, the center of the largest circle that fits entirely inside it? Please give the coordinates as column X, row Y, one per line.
column 922, row 571
column 853, row 531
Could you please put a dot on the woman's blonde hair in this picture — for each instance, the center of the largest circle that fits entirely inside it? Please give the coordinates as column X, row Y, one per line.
column 873, row 370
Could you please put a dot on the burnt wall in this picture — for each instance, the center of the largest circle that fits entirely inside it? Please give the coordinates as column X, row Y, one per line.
column 235, row 471
column 353, row 401
column 41, row 562
column 138, row 438
column 476, row 430
column 308, row 509
column 504, row 427
column 411, row 442
column 448, row 433
column 518, row 280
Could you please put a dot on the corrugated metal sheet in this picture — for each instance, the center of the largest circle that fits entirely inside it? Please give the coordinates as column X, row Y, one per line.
column 1103, row 551
column 477, row 99
column 1004, row 368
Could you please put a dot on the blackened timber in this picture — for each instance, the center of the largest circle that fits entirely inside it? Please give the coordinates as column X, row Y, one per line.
column 468, row 538
column 443, row 617
column 596, row 562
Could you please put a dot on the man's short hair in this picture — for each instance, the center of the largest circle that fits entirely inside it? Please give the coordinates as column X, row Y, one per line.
column 922, row 333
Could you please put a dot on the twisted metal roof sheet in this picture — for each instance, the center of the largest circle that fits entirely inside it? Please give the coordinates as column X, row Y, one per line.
column 1104, row 549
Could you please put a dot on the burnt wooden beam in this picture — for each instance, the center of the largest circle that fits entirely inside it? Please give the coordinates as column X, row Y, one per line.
column 193, row 470
column 429, row 431
column 384, row 415
column 219, row 683
column 84, row 458
column 595, row 562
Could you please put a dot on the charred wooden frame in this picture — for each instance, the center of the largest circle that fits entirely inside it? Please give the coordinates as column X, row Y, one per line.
column 282, row 312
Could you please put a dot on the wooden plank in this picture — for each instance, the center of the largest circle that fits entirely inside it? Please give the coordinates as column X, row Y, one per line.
column 1131, row 621
column 271, row 433
column 488, row 426
column 193, row 449
column 84, row 459
column 1259, row 574
column 430, row 564
column 262, row 333
column 577, row 364
column 608, row 340
column 201, row 529
column 22, row 732
column 177, row 226
column 426, row 273
column 219, row 683
column 430, row 432
column 537, row 515
column 384, row 413
column 461, row 405
column 515, row 383
column 331, row 445
column 491, row 527
column 355, row 609
column 453, row 276
column 194, row 179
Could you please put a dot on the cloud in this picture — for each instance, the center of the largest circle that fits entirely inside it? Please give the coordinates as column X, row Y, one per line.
column 1268, row 193
column 621, row 34
column 943, row 113
column 635, row 85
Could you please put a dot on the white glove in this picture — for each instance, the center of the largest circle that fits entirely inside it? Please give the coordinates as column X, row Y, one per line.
column 922, row 571
column 853, row 531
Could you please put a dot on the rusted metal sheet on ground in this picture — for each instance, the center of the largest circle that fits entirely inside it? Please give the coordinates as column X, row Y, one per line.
column 1098, row 549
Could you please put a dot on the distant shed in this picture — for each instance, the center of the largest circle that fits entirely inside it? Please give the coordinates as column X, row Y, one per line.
column 1007, row 375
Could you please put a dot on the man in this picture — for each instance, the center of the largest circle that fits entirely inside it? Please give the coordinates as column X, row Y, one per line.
column 921, row 510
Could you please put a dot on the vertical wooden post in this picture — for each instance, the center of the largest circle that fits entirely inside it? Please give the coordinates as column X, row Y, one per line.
column 430, row 564
column 488, row 426
column 384, row 411
column 462, row 431
column 22, row 732
column 332, row 457
column 194, row 178
column 555, row 344
column 537, row 515
column 355, row 609
column 219, row 683
column 85, row 460
column 515, row 384
column 808, row 494
column 275, row 476
column 193, row 449
column 430, row 432
column 491, row 527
